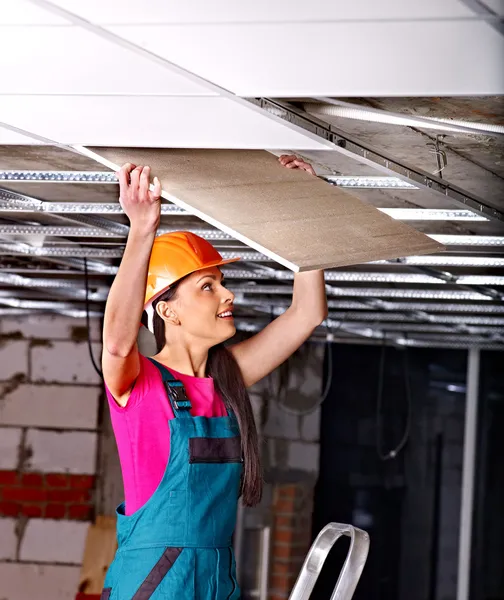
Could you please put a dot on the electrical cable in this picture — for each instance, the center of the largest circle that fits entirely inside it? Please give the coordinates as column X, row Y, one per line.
column 90, row 348
column 282, row 388
column 381, row 376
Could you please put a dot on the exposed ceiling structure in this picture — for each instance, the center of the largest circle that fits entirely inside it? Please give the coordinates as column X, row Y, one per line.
column 399, row 102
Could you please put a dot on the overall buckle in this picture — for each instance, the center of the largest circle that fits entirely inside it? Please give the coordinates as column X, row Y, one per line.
column 178, row 395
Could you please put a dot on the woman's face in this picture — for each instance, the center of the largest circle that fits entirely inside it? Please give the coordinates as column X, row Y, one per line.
column 204, row 307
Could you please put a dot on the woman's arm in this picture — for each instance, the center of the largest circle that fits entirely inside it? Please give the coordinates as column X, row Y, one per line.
column 265, row 351
column 123, row 311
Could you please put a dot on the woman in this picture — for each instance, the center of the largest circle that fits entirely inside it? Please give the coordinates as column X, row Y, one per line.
column 182, row 419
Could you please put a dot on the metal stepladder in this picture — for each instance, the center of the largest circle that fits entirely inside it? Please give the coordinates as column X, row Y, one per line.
column 352, row 568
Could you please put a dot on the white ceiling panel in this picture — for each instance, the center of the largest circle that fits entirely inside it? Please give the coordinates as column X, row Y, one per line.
column 497, row 6
column 350, row 59
column 24, row 12
column 8, row 137
column 150, row 121
column 261, row 11
column 71, row 60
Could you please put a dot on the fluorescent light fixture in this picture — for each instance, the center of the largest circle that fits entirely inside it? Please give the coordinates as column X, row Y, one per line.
column 440, row 260
column 365, row 292
column 369, row 182
column 431, row 214
column 468, row 240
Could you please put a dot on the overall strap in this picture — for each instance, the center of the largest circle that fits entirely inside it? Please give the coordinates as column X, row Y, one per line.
column 175, row 391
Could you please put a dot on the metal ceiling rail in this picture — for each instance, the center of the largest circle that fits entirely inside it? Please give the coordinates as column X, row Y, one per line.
column 367, row 293
column 378, row 159
column 364, row 307
column 437, row 260
column 433, row 341
column 9, row 199
column 66, row 289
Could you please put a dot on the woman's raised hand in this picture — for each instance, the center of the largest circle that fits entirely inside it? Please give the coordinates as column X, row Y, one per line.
column 291, row 161
column 142, row 206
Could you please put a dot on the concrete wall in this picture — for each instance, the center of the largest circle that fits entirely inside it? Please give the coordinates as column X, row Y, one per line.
column 49, row 407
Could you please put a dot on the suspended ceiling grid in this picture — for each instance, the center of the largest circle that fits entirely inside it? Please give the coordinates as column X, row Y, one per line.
column 453, row 299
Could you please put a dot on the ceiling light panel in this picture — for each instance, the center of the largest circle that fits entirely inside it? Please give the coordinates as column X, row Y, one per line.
column 431, row 214
column 468, row 240
column 445, row 261
column 368, row 293
column 365, row 182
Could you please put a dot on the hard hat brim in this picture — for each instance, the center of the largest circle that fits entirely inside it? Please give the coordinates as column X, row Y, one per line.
column 210, row 265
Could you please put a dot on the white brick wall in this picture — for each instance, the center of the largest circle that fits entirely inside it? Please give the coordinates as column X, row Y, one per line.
column 64, row 362
column 8, row 539
column 50, row 327
column 13, row 358
column 10, row 439
column 58, row 390
column 51, row 541
column 38, row 582
column 69, row 452
column 55, row 406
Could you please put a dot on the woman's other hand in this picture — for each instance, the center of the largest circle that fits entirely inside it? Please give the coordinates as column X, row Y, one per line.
column 291, row 161
column 142, row 206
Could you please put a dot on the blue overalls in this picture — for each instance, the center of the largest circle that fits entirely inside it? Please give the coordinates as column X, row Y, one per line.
column 178, row 544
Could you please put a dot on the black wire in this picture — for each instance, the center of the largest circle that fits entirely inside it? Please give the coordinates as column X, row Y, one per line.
column 381, row 376
column 86, row 280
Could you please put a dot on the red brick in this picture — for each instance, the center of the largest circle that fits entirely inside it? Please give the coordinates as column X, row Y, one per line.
column 288, row 491
column 24, row 494
column 284, row 535
column 32, row 480
column 31, row 510
column 282, row 551
column 80, row 496
column 285, row 505
column 81, row 482
column 283, row 522
column 56, row 480
column 282, row 583
column 82, row 512
column 55, row 511
column 9, row 509
column 8, row 477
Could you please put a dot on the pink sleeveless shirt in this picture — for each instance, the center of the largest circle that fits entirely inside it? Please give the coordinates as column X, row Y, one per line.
column 142, row 432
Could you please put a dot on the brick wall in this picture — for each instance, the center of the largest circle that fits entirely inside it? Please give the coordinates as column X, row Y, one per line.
column 49, row 405
column 291, row 460
column 292, row 525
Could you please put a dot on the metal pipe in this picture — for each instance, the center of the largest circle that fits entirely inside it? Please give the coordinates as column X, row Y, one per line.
column 468, row 467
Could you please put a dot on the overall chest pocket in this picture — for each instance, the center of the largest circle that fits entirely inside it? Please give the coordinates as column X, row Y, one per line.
column 215, row 450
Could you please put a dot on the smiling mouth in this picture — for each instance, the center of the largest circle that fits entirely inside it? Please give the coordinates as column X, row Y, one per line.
column 228, row 314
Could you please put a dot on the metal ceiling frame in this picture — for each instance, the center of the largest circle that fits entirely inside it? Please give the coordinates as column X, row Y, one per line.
column 351, row 147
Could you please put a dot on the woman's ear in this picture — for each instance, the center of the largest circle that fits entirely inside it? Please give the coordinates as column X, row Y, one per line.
column 166, row 312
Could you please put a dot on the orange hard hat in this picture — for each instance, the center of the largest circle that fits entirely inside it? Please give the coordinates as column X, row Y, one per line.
column 175, row 255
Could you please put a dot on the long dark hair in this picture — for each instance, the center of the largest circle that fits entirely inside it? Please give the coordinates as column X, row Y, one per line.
column 228, row 380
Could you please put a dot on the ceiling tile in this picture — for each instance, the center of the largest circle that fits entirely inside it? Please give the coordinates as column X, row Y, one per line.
column 150, row 121
column 71, row 60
